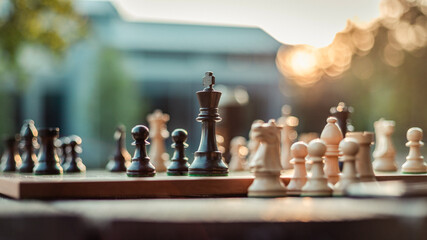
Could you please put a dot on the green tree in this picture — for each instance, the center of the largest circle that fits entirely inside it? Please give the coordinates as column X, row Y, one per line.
column 51, row 25
column 115, row 99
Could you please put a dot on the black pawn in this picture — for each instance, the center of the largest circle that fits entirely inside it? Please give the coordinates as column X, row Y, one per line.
column 10, row 156
column 122, row 157
column 208, row 160
column 63, row 144
column 48, row 161
column 28, row 145
column 140, row 165
column 74, row 163
column 179, row 165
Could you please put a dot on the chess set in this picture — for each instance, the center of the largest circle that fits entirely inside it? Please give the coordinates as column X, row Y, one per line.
column 276, row 166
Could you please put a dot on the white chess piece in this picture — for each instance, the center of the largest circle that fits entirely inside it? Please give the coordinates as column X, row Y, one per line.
column 253, row 143
column 238, row 151
column 308, row 137
column 158, row 133
column 349, row 148
column 414, row 161
column 332, row 136
column 317, row 183
column 384, row 153
column 266, row 162
column 363, row 157
column 288, row 135
column 299, row 179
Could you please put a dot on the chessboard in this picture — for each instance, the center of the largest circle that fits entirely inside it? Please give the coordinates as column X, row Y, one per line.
column 101, row 184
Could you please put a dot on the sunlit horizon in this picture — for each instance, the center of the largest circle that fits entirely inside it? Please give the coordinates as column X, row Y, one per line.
column 308, row 22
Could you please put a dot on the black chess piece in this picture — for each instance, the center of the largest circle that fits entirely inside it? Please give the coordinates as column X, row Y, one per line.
column 342, row 112
column 140, row 165
column 208, row 160
column 28, row 145
column 48, row 161
column 122, row 157
column 74, row 163
column 63, row 144
column 10, row 157
column 179, row 162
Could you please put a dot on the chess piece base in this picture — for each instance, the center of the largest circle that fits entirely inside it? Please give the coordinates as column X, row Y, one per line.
column 131, row 174
column 28, row 163
column 26, row 168
column 316, row 188
column 115, row 166
column 267, row 184
column 44, row 169
column 296, row 184
column 342, row 184
column 141, row 169
column 178, row 168
column 384, row 165
column 414, row 166
column 74, row 167
column 206, row 164
column 176, row 173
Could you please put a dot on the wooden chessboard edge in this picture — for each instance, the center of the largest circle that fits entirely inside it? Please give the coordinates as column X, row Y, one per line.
column 162, row 187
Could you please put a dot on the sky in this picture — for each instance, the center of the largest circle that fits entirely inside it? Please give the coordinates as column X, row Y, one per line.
column 293, row 22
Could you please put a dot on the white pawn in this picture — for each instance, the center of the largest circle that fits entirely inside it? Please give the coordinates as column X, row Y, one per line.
column 332, row 136
column 308, row 137
column 298, row 180
column 238, row 151
column 158, row 133
column 349, row 148
column 384, row 153
column 266, row 162
column 317, row 184
column 414, row 161
column 363, row 157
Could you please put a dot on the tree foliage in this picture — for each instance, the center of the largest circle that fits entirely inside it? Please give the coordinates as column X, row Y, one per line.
column 52, row 24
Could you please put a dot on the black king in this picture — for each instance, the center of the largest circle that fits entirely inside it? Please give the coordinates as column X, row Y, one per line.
column 207, row 159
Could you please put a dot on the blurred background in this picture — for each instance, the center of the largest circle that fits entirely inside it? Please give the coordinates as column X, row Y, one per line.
column 87, row 66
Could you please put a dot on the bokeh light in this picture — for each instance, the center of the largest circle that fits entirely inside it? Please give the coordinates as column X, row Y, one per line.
column 306, row 65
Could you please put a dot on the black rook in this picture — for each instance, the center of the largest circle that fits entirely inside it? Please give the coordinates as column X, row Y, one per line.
column 48, row 161
column 207, row 159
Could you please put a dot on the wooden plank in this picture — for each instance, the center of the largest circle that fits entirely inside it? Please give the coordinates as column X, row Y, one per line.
column 102, row 184
column 10, row 187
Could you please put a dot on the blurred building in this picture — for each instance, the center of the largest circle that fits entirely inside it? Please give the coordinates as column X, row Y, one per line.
column 166, row 63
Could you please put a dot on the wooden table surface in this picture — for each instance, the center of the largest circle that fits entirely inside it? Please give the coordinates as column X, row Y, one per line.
column 216, row 218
